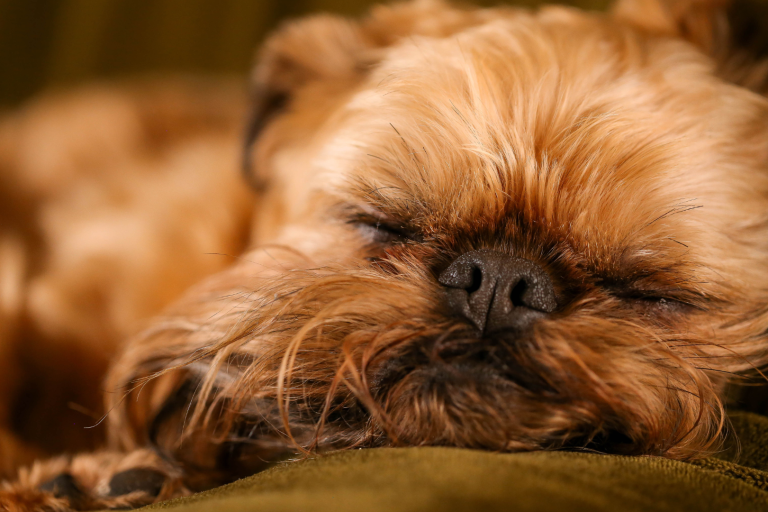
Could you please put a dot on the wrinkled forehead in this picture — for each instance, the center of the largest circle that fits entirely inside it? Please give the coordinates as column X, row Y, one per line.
column 579, row 127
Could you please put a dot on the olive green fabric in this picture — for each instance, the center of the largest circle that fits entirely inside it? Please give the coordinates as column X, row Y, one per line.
column 453, row 480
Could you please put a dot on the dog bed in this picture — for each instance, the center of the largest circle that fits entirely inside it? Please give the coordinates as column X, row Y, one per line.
column 452, row 480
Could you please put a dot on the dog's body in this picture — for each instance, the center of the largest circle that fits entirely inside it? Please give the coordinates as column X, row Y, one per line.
column 480, row 228
column 101, row 188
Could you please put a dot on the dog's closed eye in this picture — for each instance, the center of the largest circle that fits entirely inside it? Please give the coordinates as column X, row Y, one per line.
column 382, row 231
column 661, row 306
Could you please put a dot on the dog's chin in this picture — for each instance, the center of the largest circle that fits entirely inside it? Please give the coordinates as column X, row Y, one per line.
column 497, row 392
column 476, row 391
column 462, row 357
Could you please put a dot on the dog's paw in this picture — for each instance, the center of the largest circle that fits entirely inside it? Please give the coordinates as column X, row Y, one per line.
column 97, row 481
column 30, row 500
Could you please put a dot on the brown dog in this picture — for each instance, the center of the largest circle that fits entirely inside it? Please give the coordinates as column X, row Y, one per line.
column 493, row 229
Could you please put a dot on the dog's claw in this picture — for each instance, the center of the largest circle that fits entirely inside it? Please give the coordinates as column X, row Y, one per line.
column 145, row 480
column 64, row 486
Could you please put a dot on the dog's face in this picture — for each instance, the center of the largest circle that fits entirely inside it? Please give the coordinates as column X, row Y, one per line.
column 517, row 231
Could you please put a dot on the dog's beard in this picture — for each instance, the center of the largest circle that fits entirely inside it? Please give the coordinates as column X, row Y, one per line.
column 336, row 357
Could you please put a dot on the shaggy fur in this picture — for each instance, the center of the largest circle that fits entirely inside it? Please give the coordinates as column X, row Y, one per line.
column 623, row 153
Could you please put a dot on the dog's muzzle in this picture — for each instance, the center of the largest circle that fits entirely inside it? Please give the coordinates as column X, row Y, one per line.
column 496, row 291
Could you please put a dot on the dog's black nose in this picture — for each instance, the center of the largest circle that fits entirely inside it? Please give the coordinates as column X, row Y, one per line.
column 496, row 291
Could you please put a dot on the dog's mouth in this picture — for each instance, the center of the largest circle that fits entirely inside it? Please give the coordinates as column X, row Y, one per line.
column 498, row 392
column 504, row 359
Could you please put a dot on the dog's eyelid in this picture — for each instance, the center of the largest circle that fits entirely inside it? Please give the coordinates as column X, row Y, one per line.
column 677, row 295
column 366, row 210
column 643, row 288
column 383, row 231
column 367, row 217
column 678, row 299
column 634, row 292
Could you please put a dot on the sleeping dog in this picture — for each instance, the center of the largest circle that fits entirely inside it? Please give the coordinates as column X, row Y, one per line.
column 498, row 229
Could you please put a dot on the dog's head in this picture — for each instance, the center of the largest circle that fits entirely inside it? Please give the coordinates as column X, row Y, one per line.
column 498, row 229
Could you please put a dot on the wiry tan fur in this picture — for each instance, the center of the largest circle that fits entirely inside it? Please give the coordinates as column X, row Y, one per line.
column 625, row 153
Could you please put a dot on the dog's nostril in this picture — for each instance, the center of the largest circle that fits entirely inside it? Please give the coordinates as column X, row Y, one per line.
column 477, row 280
column 497, row 291
column 516, row 296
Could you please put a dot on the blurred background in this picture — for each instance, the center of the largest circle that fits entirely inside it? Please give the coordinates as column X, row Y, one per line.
column 46, row 43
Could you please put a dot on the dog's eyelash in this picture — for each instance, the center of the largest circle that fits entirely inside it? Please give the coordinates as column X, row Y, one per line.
column 672, row 300
column 661, row 301
column 382, row 232
column 661, row 304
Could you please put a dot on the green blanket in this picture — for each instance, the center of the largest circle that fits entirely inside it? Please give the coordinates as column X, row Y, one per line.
column 450, row 479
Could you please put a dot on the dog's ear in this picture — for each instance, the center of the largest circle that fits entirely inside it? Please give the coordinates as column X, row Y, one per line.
column 702, row 22
column 336, row 53
column 733, row 32
column 320, row 48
